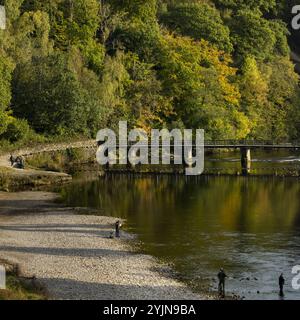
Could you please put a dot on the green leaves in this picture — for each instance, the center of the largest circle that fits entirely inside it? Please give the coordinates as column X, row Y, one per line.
column 199, row 21
column 76, row 66
column 263, row 5
column 197, row 77
column 49, row 91
column 6, row 68
column 252, row 35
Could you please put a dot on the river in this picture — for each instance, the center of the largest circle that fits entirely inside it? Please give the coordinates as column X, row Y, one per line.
column 248, row 225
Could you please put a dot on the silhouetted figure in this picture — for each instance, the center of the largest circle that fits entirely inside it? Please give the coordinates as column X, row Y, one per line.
column 281, row 284
column 12, row 160
column 222, row 276
column 118, row 225
column 111, row 235
column 19, row 163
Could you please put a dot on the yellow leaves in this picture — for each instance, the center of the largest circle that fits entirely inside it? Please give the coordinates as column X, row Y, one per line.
column 202, row 82
column 253, row 84
column 155, row 116
column 232, row 124
column 146, row 120
column 187, row 60
column 220, row 61
column 242, row 124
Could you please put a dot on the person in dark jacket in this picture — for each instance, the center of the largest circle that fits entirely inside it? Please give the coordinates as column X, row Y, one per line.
column 222, row 276
column 281, row 284
column 118, row 225
column 19, row 163
column 12, row 160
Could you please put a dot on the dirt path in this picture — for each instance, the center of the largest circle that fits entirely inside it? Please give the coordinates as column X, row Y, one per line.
column 4, row 161
column 73, row 255
column 49, row 147
column 4, row 158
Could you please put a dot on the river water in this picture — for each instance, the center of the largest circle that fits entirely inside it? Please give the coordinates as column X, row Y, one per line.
column 250, row 226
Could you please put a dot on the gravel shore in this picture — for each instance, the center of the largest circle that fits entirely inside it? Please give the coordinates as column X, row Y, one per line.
column 72, row 254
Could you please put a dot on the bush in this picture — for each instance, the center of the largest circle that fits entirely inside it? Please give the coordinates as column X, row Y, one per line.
column 17, row 130
column 4, row 119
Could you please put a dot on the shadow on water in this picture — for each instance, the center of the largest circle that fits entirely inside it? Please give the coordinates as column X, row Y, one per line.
column 250, row 226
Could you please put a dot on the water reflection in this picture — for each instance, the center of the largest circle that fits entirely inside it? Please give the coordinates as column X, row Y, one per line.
column 248, row 225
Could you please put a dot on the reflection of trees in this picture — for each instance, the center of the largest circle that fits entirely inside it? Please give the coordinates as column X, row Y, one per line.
column 236, row 204
column 192, row 216
column 253, row 204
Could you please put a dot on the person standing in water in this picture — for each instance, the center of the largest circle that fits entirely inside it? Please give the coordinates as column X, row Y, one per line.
column 281, row 284
column 222, row 276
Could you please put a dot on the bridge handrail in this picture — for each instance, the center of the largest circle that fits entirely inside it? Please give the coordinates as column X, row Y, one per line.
column 250, row 143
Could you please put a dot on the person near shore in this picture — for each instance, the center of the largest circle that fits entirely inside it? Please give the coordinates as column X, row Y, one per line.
column 118, row 225
column 19, row 163
column 281, row 284
column 222, row 276
column 111, row 235
column 12, row 160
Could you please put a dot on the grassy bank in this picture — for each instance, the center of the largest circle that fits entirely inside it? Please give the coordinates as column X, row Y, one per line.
column 14, row 178
column 20, row 288
column 61, row 161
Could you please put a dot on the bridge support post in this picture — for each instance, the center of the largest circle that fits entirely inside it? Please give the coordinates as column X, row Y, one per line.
column 187, row 158
column 246, row 160
column 130, row 166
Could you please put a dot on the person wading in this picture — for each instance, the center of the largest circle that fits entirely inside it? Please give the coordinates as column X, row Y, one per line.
column 281, row 284
column 222, row 276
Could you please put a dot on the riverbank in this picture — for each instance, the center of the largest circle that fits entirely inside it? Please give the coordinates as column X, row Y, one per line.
column 46, row 164
column 72, row 255
column 19, row 287
column 11, row 178
column 38, row 174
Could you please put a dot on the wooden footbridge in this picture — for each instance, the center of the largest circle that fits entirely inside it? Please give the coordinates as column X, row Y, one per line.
column 245, row 147
column 250, row 144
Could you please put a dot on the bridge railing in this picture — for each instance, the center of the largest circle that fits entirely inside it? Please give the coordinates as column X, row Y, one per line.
column 250, row 143
column 223, row 143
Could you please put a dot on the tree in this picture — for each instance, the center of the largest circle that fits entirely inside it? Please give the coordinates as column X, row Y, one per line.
column 198, row 77
column 263, row 5
column 283, row 97
column 269, row 96
column 6, row 68
column 254, row 90
column 74, row 66
column 199, row 21
column 49, row 91
column 252, row 35
column 144, row 96
column 138, row 31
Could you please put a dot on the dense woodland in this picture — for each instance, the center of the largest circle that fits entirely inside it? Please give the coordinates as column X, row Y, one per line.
column 71, row 67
